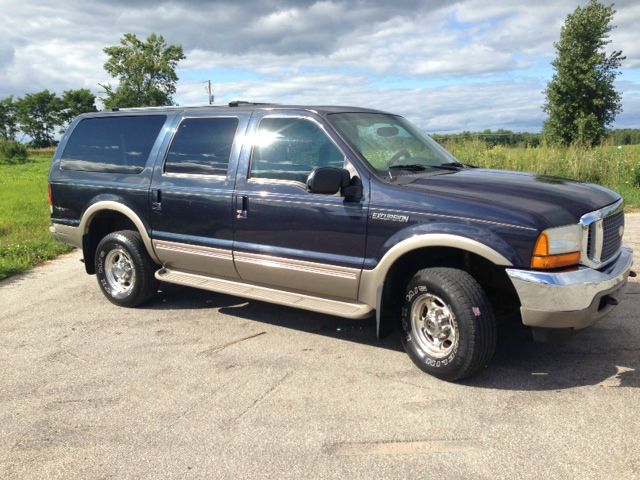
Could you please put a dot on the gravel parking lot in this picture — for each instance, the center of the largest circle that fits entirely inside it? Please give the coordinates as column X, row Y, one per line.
column 200, row 385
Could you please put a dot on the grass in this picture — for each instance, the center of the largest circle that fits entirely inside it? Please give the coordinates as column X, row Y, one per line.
column 24, row 212
column 614, row 167
column 25, row 240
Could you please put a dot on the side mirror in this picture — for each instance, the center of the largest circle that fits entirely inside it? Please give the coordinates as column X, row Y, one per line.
column 328, row 180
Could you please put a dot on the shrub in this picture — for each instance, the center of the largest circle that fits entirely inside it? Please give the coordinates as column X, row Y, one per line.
column 12, row 152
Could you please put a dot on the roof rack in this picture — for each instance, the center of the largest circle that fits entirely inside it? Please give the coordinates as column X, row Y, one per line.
column 239, row 103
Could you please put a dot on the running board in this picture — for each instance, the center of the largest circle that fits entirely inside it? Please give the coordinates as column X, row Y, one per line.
column 255, row 292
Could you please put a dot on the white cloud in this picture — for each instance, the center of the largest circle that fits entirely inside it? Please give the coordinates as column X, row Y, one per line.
column 452, row 108
column 448, row 65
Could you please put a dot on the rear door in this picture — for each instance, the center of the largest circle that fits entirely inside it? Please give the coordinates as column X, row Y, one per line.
column 285, row 236
column 192, row 193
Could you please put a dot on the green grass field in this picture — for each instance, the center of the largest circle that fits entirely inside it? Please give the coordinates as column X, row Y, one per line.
column 615, row 167
column 24, row 213
column 25, row 240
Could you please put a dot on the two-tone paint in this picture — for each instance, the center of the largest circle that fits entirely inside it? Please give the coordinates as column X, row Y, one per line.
column 277, row 234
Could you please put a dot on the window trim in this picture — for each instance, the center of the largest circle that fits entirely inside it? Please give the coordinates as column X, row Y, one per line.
column 198, row 175
column 279, row 181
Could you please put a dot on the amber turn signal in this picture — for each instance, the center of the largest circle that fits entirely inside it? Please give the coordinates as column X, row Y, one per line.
column 556, row 261
column 543, row 261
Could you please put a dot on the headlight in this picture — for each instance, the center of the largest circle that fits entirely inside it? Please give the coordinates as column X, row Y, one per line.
column 558, row 247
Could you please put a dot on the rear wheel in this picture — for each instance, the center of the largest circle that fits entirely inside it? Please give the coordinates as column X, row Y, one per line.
column 124, row 269
column 448, row 325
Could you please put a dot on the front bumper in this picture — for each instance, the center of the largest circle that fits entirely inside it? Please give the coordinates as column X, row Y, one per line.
column 574, row 299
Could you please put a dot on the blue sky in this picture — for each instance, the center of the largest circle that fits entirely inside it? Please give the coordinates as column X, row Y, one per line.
column 448, row 66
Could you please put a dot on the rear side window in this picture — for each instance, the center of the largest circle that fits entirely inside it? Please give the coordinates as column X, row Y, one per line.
column 112, row 144
column 202, row 146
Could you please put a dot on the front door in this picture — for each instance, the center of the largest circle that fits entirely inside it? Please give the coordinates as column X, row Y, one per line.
column 192, row 195
column 285, row 236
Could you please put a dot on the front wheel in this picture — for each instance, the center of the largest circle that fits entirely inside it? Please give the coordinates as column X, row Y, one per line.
column 448, row 325
column 124, row 269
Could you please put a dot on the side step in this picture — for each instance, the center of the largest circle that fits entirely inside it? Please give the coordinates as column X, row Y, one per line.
column 255, row 292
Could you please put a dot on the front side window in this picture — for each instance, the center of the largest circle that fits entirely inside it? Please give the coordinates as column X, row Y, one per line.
column 114, row 144
column 202, row 146
column 290, row 148
column 391, row 144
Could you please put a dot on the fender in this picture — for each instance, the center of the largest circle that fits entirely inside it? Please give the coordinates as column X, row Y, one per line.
column 372, row 281
column 112, row 205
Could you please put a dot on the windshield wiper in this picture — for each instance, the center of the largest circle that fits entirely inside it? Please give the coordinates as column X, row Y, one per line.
column 412, row 167
column 418, row 167
column 450, row 166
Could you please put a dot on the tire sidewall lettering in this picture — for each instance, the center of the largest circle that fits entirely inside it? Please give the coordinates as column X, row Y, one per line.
column 406, row 327
column 100, row 269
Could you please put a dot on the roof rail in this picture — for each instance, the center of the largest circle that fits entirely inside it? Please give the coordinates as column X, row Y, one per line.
column 239, row 103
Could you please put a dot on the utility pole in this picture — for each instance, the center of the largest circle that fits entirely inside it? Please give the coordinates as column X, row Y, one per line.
column 209, row 90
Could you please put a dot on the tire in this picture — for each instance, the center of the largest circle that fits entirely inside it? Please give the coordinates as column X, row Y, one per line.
column 124, row 269
column 458, row 336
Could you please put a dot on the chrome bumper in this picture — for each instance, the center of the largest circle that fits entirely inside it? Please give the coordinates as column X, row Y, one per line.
column 574, row 299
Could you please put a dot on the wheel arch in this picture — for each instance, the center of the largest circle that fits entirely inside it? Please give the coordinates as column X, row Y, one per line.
column 400, row 262
column 107, row 216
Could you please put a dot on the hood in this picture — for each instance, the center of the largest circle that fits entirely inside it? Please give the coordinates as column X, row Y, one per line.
column 551, row 201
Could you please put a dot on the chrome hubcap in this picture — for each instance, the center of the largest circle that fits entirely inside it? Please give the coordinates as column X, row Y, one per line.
column 433, row 325
column 119, row 271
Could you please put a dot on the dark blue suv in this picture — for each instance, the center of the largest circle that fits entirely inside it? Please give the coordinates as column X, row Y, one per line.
column 340, row 210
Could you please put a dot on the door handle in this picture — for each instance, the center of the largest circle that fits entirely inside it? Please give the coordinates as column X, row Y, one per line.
column 156, row 200
column 241, row 211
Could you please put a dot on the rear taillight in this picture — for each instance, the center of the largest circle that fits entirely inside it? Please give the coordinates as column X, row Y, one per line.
column 50, row 199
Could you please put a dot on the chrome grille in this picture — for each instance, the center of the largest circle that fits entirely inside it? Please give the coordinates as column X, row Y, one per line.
column 611, row 238
column 591, row 242
column 602, row 237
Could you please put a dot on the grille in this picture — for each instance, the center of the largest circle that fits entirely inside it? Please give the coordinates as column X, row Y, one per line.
column 611, row 238
column 591, row 242
column 601, row 240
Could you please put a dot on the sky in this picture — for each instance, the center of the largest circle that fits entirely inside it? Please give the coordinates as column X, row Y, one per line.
column 447, row 66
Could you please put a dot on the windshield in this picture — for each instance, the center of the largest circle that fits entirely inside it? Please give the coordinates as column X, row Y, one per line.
column 392, row 144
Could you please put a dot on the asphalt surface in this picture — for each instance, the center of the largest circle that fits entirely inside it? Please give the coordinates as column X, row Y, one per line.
column 200, row 385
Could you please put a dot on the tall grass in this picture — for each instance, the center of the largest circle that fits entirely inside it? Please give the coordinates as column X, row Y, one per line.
column 617, row 167
column 24, row 214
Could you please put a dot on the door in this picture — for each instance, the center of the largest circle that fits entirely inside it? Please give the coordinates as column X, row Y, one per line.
column 192, row 195
column 285, row 236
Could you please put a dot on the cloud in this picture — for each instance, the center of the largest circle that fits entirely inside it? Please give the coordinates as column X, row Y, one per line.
column 442, row 109
column 449, row 65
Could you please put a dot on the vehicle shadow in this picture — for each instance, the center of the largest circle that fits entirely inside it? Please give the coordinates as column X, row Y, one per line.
column 607, row 354
column 175, row 297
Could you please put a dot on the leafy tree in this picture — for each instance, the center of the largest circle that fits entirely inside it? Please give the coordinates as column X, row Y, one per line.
column 38, row 115
column 581, row 98
column 8, row 120
column 76, row 102
column 146, row 72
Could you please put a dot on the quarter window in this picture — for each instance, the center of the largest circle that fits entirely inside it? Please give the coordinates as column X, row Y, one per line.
column 115, row 144
column 202, row 146
column 290, row 148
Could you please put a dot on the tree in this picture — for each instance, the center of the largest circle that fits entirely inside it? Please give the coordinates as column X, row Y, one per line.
column 581, row 97
column 76, row 102
column 8, row 120
column 38, row 115
column 146, row 72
